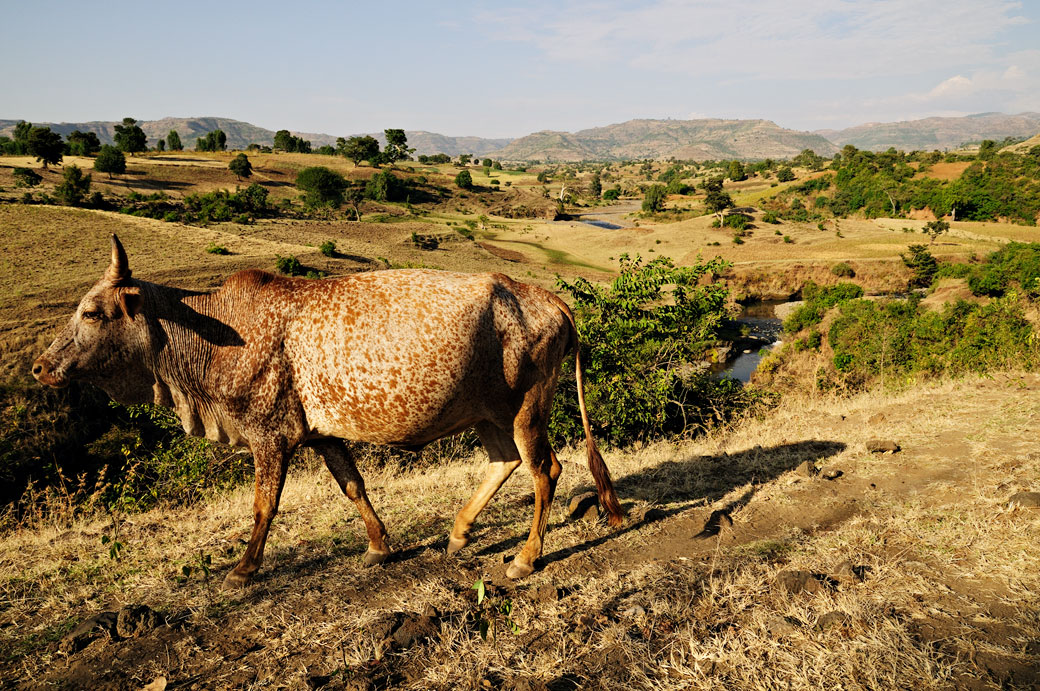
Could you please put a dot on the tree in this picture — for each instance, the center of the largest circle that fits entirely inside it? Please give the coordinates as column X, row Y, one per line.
column 464, row 159
column 653, row 199
column 129, row 137
column 173, row 141
column 716, row 199
column 110, row 160
column 322, row 186
column 213, row 141
column 46, row 145
column 241, row 166
column 82, row 144
column 736, row 171
column 987, row 149
column 595, row 186
column 160, row 145
column 359, row 149
column 74, row 186
column 785, row 174
column 287, row 142
column 934, row 229
column 21, row 137
column 487, row 162
column 396, row 146
column 464, row 180
column 354, row 195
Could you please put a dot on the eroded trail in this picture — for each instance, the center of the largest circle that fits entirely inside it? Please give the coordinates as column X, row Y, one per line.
column 740, row 566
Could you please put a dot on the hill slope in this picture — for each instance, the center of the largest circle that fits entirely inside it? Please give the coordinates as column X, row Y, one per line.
column 935, row 133
column 241, row 134
column 685, row 139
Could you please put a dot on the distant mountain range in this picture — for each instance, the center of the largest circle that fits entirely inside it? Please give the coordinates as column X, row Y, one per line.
column 634, row 139
column 683, row 139
column 935, row 133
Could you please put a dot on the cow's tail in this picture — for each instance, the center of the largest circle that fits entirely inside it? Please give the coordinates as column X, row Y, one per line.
column 600, row 474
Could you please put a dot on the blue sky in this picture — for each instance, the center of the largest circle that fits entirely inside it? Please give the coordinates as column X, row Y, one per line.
column 501, row 69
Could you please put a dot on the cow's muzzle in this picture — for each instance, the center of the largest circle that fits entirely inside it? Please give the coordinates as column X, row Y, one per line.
column 44, row 372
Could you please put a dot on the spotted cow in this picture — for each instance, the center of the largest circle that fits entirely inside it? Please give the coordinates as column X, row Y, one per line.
column 390, row 357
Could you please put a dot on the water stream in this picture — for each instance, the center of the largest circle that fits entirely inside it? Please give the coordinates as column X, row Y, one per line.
column 764, row 330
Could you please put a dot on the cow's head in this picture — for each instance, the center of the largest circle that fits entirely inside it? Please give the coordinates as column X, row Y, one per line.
column 106, row 341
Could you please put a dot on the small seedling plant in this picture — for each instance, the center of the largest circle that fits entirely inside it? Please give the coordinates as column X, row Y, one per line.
column 492, row 610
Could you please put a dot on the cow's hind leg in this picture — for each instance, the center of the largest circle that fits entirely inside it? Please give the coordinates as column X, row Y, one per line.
column 503, row 459
column 531, row 436
column 342, row 466
column 271, row 460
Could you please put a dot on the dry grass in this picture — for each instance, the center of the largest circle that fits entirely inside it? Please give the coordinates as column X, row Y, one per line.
column 950, row 595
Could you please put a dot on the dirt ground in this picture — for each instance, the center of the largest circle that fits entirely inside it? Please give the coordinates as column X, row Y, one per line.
column 779, row 553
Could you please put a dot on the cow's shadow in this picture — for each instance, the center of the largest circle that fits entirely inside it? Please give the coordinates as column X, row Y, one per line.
column 669, row 488
column 677, row 485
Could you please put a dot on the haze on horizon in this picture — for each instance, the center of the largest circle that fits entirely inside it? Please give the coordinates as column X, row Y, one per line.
column 508, row 69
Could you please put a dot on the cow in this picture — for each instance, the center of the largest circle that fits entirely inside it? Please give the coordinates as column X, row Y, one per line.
column 401, row 357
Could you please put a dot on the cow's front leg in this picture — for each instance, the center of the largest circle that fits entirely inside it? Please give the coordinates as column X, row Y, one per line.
column 271, row 459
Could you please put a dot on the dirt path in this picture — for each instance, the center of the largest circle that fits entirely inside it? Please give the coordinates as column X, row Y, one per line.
column 740, row 566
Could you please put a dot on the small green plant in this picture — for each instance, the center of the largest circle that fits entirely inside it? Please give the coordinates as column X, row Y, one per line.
column 214, row 248
column 115, row 547
column 203, row 565
column 328, row 248
column 737, row 240
column 788, row 240
column 491, row 610
column 770, row 217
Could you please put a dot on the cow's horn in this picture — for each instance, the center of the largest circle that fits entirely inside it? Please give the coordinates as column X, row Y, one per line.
column 119, row 269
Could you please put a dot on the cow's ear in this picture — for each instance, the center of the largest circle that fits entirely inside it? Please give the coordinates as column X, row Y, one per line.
column 118, row 272
column 130, row 300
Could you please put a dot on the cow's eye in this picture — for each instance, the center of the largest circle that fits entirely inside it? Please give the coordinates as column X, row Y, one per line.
column 94, row 315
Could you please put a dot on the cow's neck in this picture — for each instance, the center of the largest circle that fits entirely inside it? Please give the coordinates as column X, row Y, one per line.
column 188, row 331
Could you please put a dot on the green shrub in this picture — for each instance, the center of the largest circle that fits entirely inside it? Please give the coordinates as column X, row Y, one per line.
column 26, row 177
column 737, row 221
column 328, row 248
column 642, row 339
column 290, row 266
column 737, row 240
column 922, row 265
column 843, row 270
column 817, row 300
column 770, row 217
column 214, row 248
column 321, row 186
column 787, row 239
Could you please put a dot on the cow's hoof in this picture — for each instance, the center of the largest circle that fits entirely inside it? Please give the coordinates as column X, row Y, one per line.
column 236, row 580
column 455, row 544
column 518, row 570
column 372, row 558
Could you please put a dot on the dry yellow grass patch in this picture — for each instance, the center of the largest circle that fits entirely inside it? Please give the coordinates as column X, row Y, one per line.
column 950, row 594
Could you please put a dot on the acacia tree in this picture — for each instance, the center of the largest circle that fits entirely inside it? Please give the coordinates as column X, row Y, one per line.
column 934, row 229
column 716, row 199
column 130, row 137
column 110, row 160
column 359, row 149
column 396, row 146
column 46, row 145
column 241, row 166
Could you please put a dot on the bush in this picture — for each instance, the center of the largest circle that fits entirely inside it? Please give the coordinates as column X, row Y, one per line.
column 785, row 174
column 214, row 248
column 321, row 186
column 26, row 177
column 817, row 300
column 843, row 270
column 770, row 217
column 464, row 180
column 74, row 186
column 290, row 266
column 328, row 248
column 643, row 337
column 788, row 240
column 653, row 199
column 612, row 194
column 922, row 265
column 384, row 186
column 737, row 221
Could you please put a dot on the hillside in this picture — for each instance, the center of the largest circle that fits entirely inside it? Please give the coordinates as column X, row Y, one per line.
column 1024, row 147
column 241, row 134
column 682, row 139
column 935, row 133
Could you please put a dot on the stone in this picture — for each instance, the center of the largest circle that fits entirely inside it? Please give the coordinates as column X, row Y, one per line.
column 1027, row 500
column 847, row 572
column 831, row 474
column 633, row 611
column 780, row 626
column 876, row 418
column 832, row 620
column 882, row 446
column 795, row 581
column 806, row 469
column 584, row 506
